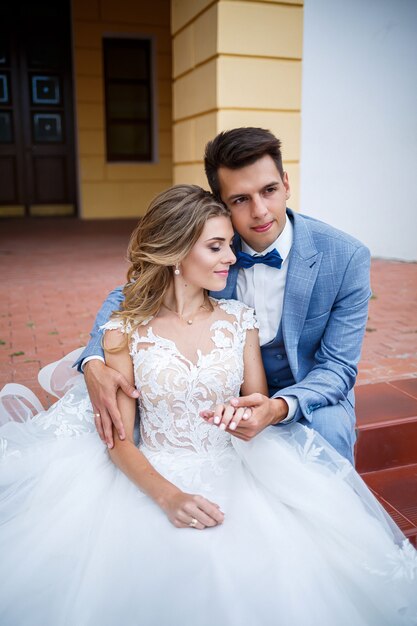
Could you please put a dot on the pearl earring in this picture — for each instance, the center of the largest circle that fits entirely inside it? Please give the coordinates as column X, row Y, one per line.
column 177, row 270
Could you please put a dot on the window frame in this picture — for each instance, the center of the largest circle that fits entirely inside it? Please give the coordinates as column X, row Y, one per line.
column 150, row 122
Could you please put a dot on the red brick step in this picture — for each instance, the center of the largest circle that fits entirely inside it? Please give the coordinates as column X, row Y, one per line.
column 386, row 449
column 396, row 489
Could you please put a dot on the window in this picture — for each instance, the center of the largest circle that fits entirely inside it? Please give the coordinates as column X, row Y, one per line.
column 128, row 96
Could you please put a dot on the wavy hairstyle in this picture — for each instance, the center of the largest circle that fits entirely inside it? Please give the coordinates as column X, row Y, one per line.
column 164, row 236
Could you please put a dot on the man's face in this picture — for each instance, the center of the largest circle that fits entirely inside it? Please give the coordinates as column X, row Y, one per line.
column 257, row 198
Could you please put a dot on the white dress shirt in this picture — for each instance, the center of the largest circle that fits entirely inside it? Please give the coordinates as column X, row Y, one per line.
column 262, row 288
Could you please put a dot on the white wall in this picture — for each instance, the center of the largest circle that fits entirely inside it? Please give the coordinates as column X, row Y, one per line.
column 359, row 121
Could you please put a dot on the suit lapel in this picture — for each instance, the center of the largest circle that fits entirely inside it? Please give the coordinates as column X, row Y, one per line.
column 304, row 264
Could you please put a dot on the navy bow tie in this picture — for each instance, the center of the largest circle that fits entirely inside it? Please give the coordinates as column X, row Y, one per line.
column 272, row 259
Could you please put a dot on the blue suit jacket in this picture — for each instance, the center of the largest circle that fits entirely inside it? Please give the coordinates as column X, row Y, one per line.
column 324, row 313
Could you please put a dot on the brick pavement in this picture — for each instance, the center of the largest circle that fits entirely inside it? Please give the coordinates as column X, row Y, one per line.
column 56, row 273
column 390, row 345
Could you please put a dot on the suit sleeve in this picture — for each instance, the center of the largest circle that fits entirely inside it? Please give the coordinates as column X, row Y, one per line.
column 336, row 360
column 93, row 348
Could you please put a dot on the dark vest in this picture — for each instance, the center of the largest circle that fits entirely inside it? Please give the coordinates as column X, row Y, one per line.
column 277, row 368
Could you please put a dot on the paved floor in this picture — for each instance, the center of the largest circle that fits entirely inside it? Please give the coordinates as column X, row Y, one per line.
column 390, row 346
column 55, row 274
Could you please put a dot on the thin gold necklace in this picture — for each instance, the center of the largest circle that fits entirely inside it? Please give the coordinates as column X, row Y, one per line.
column 190, row 320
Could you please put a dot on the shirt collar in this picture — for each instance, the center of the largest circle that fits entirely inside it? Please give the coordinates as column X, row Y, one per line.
column 282, row 243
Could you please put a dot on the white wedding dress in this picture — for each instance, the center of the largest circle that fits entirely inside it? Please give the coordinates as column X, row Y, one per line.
column 304, row 543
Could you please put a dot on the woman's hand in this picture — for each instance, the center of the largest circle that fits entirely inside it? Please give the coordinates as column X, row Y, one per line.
column 259, row 411
column 226, row 416
column 185, row 510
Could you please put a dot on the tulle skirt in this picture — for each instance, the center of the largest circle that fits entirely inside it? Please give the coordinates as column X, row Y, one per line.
column 304, row 543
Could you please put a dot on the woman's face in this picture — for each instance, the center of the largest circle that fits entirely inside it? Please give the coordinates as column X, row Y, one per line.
column 207, row 264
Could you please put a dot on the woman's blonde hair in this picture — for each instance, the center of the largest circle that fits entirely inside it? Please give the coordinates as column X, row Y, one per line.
column 164, row 236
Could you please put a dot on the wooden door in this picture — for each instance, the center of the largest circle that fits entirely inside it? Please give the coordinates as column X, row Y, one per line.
column 37, row 159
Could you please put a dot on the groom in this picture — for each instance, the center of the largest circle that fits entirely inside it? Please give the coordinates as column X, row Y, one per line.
column 309, row 286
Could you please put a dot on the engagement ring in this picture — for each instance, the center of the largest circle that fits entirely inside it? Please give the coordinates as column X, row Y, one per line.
column 193, row 523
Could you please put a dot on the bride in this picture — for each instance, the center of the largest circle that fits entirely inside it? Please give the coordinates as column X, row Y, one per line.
column 91, row 536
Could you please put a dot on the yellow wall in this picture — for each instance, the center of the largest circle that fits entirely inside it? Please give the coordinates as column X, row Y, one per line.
column 118, row 189
column 235, row 64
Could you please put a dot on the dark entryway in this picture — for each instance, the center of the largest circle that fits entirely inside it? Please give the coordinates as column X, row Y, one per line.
column 37, row 157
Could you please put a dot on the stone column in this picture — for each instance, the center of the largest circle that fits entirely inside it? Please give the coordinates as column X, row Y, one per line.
column 235, row 64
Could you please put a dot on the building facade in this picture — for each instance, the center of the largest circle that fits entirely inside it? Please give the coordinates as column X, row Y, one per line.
column 105, row 103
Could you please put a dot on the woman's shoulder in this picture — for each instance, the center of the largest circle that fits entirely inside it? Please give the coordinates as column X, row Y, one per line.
column 123, row 325
column 120, row 325
column 244, row 314
column 116, row 323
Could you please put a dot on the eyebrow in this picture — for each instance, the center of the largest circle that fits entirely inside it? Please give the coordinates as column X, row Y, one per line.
column 216, row 239
column 239, row 195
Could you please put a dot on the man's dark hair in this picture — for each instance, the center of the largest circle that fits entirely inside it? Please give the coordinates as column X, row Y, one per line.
column 237, row 148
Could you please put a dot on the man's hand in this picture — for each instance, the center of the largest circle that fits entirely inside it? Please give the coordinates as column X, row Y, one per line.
column 102, row 384
column 247, row 416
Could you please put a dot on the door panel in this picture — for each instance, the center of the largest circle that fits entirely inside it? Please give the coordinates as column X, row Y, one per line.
column 37, row 159
column 50, row 179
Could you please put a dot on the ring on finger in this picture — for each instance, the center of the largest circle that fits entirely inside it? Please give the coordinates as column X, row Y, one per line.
column 193, row 523
column 96, row 414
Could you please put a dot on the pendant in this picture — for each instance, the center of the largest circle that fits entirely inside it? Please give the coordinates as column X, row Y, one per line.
column 190, row 322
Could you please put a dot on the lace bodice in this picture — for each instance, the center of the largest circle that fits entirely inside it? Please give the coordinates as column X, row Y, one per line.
column 174, row 390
